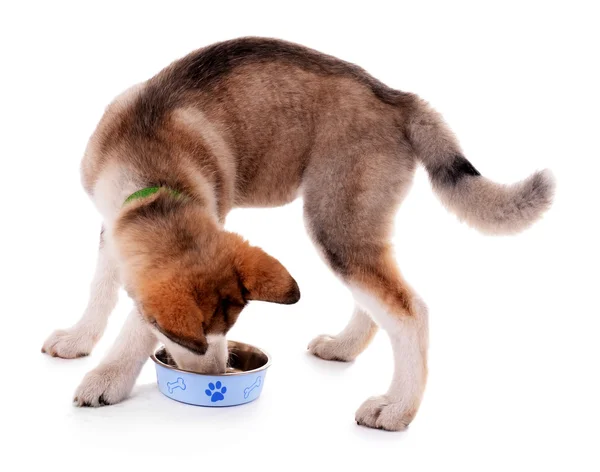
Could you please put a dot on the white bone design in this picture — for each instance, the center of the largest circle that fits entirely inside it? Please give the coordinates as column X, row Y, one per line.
column 247, row 390
column 173, row 385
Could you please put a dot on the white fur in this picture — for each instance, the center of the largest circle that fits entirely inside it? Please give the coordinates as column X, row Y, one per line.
column 214, row 361
column 114, row 185
column 79, row 340
column 114, row 378
column 349, row 343
column 408, row 335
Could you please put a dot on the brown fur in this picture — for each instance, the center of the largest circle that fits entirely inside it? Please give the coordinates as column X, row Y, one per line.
column 283, row 115
column 254, row 122
column 189, row 278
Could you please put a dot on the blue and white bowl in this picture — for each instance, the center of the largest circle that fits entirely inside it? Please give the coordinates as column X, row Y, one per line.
column 242, row 383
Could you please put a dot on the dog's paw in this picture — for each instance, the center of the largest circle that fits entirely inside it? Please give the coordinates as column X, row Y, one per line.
column 383, row 413
column 331, row 348
column 68, row 344
column 105, row 385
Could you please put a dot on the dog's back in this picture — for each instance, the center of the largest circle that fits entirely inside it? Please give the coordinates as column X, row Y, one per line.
column 256, row 114
column 269, row 106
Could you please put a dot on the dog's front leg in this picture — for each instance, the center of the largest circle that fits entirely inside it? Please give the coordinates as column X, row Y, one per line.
column 114, row 378
column 79, row 340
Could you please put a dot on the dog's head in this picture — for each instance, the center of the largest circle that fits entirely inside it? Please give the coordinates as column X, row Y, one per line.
column 190, row 279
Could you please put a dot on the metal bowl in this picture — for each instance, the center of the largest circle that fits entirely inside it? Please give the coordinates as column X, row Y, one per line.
column 242, row 383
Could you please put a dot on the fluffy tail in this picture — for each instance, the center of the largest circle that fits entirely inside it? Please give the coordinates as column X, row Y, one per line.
column 485, row 205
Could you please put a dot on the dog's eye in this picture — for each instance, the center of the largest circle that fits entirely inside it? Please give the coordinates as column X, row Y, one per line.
column 218, row 309
column 228, row 306
column 224, row 307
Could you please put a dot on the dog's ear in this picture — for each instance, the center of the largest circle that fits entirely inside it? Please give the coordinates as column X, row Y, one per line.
column 172, row 311
column 264, row 277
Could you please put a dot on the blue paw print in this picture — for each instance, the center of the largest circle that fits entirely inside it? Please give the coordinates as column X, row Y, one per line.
column 216, row 392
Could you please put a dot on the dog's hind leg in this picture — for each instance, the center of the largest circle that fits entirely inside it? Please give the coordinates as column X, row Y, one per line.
column 79, row 340
column 350, row 342
column 370, row 272
column 350, row 202
column 380, row 290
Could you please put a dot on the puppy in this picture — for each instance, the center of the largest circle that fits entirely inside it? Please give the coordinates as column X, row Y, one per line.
column 260, row 122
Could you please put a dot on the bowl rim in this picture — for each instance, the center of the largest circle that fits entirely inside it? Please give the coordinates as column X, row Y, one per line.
column 226, row 374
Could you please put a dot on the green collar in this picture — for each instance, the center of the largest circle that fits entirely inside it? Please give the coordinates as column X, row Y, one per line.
column 146, row 192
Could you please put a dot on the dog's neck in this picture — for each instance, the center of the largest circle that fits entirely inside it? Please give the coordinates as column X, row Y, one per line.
column 116, row 186
column 147, row 191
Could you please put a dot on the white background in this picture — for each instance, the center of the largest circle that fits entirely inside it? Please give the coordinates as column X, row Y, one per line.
column 514, row 320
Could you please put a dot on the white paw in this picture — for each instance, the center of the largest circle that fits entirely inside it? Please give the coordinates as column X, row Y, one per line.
column 383, row 413
column 105, row 385
column 331, row 348
column 69, row 343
